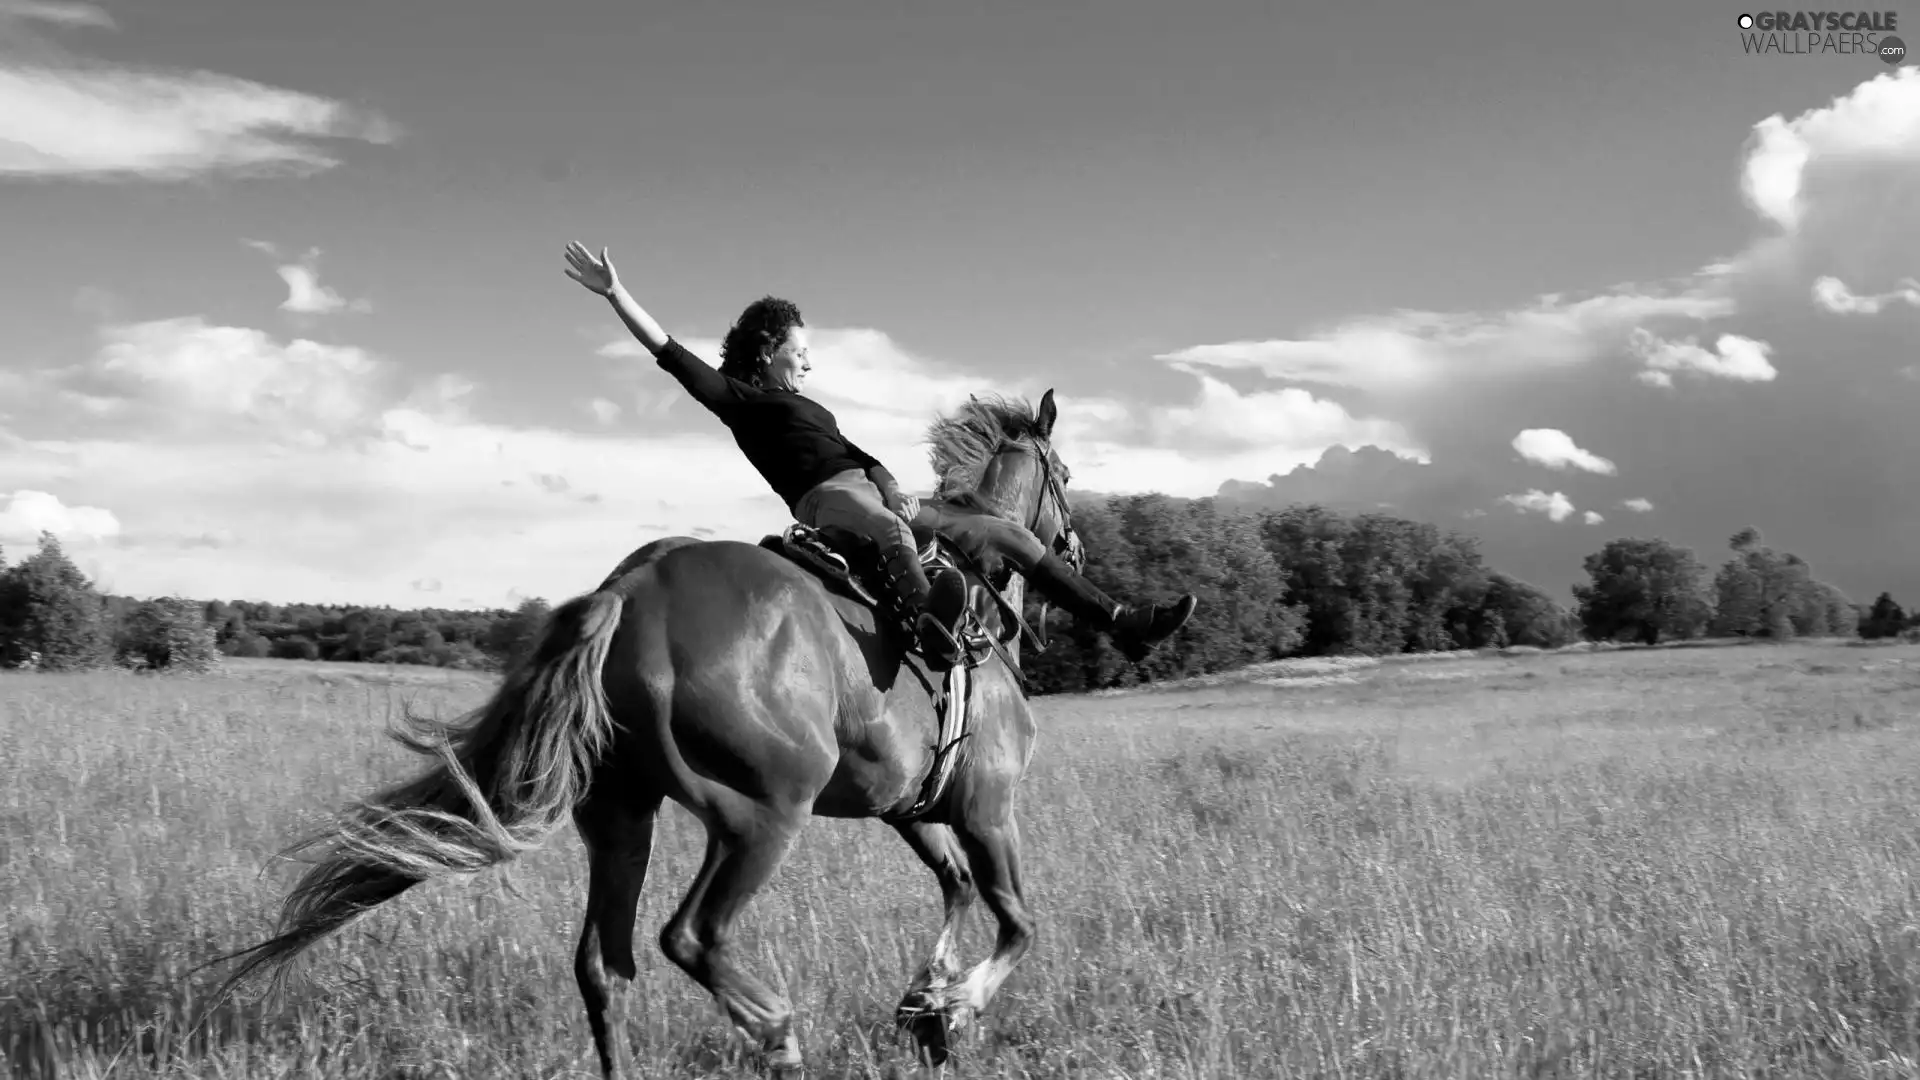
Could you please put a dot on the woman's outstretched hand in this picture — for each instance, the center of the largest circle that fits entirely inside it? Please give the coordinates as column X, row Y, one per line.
column 595, row 274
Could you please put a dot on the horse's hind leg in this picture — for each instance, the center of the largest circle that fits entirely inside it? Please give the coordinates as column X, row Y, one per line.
column 699, row 938
column 619, row 840
column 919, row 1009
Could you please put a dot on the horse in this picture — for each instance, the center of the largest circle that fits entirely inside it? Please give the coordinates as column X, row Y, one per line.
column 732, row 680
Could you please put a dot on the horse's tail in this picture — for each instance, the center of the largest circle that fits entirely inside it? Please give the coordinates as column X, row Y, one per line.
column 506, row 776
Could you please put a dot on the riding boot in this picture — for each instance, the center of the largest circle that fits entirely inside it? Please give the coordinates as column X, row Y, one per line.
column 917, row 600
column 1075, row 595
column 1135, row 629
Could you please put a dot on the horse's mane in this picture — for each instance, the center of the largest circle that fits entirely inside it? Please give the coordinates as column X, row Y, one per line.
column 965, row 440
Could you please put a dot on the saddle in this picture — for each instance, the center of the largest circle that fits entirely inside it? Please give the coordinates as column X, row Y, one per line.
column 849, row 565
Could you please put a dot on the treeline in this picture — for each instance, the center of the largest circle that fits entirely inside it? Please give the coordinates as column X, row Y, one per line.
column 478, row 640
column 1302, row 581
column 52, row 618
column 1652, row 590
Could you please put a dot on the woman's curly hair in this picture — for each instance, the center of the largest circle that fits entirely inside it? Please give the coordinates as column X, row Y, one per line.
column 759, row 331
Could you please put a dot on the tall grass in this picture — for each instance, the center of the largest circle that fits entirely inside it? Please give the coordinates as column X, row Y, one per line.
column 1694, row 863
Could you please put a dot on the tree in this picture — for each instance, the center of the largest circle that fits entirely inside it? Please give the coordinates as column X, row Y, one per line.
column 49, row 610
column 1884, row 619
column 296, row 647
column 1516, row 613
column 1736, row 591
column 1447, row 592
column 168, row 634
column 1306, row 543
column 513, row 637
column 247, row 644
column 1648, row 588
column 1762, row 592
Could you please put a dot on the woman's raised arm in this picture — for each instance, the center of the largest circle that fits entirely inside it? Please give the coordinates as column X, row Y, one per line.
column 707, row 385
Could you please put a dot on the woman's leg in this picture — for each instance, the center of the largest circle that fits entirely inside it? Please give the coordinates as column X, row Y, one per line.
column 1134, row 628
column 850, row 501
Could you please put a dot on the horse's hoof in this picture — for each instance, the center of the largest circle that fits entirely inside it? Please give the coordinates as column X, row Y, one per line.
column 930, row 1032
column 916, row 1006
column 924, row 1016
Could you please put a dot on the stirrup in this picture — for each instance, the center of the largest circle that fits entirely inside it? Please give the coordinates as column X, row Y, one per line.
column 937, row 644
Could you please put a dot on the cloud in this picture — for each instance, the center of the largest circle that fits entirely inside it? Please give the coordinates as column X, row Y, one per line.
column 1879, row 120
column 1593, row 518
column 1556, row 506
column 25, row 514
column 1411, row 351
column 1733, row 357
column 184, row 372
column 305, row 294
column 58, row 14
column 1833, row 295
column 603, row 410
column 427, row 585
column 190, row 429
column 884, row 396
column 627, row 349
column 61, row 116
column 1555, row 450
column 344, row 476
column 1366, row 480
column 1836, row 200
column 1226, row 420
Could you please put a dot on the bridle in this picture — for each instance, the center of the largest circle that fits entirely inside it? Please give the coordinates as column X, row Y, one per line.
column 1066, row 545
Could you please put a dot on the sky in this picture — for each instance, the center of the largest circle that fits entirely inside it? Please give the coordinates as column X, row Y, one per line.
column 283, row 317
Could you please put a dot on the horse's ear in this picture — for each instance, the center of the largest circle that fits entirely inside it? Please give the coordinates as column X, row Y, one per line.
column 1048, row 414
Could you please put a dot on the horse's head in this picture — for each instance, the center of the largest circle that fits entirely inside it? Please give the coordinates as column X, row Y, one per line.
column 1024, row 479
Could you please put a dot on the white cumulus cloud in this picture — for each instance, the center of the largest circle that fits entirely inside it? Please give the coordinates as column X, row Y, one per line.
column 1556, row 506
column 305, row 294
column 187, row 372
column 1593, row 518
column 333, row 474
column 25, row 514
column 885, row 395
column 1733, row 357
column 1833, row 295
column 1877, row 120
column 1555, row 449
column 1638, row 506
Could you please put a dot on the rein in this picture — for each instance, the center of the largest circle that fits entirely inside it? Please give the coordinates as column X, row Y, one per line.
column 1075, row 554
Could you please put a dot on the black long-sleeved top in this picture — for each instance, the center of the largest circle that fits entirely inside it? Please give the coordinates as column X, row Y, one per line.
column 792, row 440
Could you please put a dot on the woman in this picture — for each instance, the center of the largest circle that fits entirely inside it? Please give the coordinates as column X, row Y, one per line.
column 796, row 445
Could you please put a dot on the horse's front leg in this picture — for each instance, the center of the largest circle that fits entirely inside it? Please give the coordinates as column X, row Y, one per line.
column 993, row 854
column 922, row 1009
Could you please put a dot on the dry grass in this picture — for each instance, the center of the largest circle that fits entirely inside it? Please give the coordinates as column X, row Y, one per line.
column 1669, row 863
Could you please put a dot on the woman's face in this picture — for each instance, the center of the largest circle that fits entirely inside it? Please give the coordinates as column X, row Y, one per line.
column 788, row 366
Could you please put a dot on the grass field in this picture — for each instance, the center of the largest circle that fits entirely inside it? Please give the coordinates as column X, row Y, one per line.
column 1697, row 862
